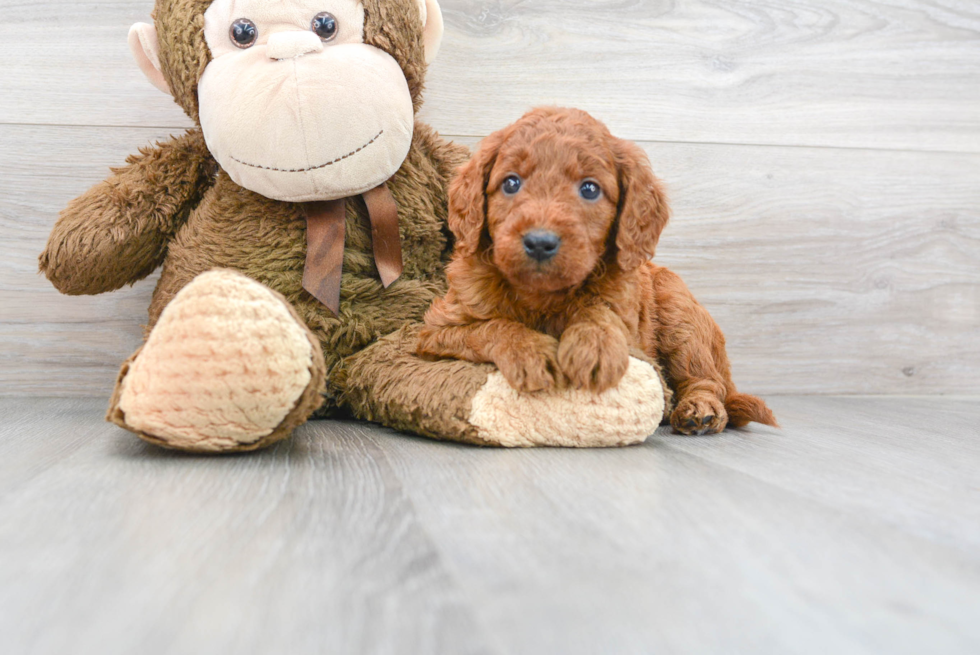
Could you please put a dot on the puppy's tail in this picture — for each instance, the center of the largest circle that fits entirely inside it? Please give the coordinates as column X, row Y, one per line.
column 743, row 409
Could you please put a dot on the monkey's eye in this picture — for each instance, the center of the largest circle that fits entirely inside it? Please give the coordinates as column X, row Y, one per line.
column 244, row 33
column 325, row 26
column 590, row 190
column 512, row 184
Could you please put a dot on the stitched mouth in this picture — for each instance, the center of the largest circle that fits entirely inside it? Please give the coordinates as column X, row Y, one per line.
column 312, row 168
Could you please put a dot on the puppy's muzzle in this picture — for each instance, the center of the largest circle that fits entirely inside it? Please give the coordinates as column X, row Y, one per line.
column 541, row 245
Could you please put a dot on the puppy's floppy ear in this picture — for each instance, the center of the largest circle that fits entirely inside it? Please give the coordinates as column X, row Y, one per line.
column 468, row 195
column 643, row 210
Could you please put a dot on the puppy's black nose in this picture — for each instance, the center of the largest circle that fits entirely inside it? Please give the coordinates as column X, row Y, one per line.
column 541, row 245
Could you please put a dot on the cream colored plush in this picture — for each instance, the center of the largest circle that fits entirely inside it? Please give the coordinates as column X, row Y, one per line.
column 623, row 416
column 285, row 142
column 292, row 133
column 434, row 28
column 145, row 46
column 224, row 366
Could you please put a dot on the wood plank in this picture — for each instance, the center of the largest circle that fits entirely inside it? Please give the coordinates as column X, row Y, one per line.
column 756, row 541
column 49, row 343
column 898, row 75
column 908, row 462
column 69, row 64
column 851, row 530
column 831, row 271
column 26, row 452
column 118, row 547
column 813, row 72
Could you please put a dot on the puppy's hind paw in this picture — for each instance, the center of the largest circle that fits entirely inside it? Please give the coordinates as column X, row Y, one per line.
column 699, row 414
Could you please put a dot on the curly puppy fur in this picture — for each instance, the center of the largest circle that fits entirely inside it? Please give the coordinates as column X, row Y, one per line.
column 571, row 315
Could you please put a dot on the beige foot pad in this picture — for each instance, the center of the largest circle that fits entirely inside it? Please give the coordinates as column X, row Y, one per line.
column 228, row 367
column 473, row 403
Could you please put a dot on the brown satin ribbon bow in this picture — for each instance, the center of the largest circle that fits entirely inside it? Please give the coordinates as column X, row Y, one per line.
column 325, row 234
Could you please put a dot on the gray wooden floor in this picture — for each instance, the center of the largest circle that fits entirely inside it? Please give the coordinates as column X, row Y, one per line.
column 855, row 529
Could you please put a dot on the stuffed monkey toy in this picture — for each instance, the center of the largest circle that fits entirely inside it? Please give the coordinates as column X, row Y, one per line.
column 301, row 230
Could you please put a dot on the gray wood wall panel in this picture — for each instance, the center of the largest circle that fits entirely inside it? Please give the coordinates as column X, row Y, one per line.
column 821, row 212
column 858, row 73
column 869, row 73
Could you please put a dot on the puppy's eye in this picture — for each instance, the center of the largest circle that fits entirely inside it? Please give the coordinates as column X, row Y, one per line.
column 590, row 190
column 512, row 185
column 325, row 26
column 243, row 33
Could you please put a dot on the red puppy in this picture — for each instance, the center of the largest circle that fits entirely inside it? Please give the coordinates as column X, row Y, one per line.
column 555, row 223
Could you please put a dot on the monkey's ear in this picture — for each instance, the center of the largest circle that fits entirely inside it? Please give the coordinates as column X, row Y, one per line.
column 146, row 49
column 433, row 30
column 468, row 196
column 643, row 209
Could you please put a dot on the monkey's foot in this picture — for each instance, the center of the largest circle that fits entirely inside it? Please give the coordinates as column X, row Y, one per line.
column 473, row 403
column 228, row 367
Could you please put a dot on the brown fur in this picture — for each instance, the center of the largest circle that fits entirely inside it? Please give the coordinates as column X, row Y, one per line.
column 398, row 389
column 172, row 205
column 574, row 318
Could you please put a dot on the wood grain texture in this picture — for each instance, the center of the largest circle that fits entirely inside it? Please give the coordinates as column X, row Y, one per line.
column 69, row 64
column 866, row 73
column 51, row 343
column 311, row 547
column 831, row 271
column 852, row 530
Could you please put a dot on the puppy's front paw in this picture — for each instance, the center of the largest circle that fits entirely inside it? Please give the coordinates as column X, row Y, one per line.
column 592, row 357
column 529, row 364
column 699, row 413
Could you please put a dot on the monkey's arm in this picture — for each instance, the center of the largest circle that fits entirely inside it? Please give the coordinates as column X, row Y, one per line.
column 118, row 231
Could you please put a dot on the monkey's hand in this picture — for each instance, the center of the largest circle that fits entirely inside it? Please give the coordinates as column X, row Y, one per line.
column 118, row 231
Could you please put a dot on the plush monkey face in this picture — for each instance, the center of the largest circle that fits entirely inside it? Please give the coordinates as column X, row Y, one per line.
column 296, row 115
column 295, row 103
